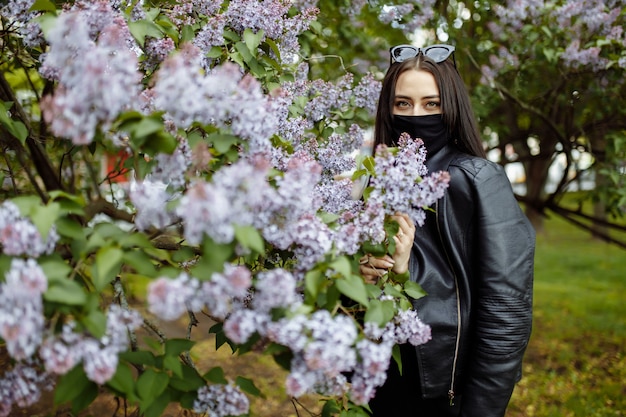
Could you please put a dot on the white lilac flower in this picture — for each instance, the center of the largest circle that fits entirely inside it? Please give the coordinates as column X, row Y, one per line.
column 167, row 297
column 399, row 182
column 99, row 363
column 150, row 199
column 225, row 291
column 221, row 401
column 98, row 79
column 19, row 236
column 21, row 308
column 60, row 353
column 243, row 323
column 22, row 385
column 274, row 288
column 171, row 168
column 371, row 371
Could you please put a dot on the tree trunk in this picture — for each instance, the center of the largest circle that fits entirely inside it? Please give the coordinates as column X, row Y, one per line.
column 536, row 176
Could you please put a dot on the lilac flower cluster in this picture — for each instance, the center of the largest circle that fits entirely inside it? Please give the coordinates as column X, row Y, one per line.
column 171, row 168
column 328, row 96
column 366, row 93
column 19, row 12
column 221, row 401
column 225, row 292
column 22, row 386
column 61, row 352
column 19, row 236
column 21, row 308
column 96, row 70
column 150, row 199
column 270, row 16
column 156, row 50
column 403, row 16
column 582, row 17
column 188, row 96
column 390, row 184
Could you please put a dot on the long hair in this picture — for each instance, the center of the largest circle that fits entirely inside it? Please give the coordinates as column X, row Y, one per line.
column 456, row 107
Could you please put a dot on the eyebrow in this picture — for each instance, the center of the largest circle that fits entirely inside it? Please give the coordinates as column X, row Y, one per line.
column 423, row 98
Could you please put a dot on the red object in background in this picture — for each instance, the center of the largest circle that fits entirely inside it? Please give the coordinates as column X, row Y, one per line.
column 115, row 167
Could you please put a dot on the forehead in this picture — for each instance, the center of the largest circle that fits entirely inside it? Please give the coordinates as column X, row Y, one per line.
column 416, row 83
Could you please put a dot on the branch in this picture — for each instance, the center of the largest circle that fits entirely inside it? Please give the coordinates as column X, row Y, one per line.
column 506, row 93
column 568, row 215
column 100, row 205
column 38, row 155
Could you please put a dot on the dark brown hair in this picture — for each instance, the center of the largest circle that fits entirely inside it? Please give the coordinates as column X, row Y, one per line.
column 456, row 107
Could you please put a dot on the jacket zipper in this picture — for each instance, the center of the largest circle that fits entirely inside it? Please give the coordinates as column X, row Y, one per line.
column 458, row 309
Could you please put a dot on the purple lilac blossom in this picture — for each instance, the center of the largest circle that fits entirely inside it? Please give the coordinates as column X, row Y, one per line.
column 22, row 385
column 171, row 168
column 221, row 401
column 371, row 371
column 19, row 236
column 61, row 352
column 150, row 199
column 391, row 184
column 97, row 79
column 167, row 297
column 21, row 308
column 156, row 50
column 216, row 98
column 274, row 288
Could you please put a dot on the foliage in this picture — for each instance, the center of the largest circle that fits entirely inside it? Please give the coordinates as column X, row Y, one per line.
column 175, row 154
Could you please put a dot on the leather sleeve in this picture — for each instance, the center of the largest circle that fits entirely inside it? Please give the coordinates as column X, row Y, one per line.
column 502, row 295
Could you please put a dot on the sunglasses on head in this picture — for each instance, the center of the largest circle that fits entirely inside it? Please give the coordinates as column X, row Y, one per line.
column 437, row 53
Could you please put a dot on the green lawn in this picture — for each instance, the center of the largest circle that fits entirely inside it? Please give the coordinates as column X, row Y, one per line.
column 575, row 363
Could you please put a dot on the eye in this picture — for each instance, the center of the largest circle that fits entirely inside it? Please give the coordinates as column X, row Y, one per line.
column 402, row 104
column 433, row 104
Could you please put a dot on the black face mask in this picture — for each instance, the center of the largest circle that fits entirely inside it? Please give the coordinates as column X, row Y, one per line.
column 430, row 128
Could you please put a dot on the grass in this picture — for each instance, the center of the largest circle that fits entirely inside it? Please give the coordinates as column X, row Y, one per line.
column 575, row 363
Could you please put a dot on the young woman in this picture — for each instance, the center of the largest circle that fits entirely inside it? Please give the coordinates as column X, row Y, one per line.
column 474, row 256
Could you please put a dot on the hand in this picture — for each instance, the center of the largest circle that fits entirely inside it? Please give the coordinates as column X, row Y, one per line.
column 373, row 268
column 404, row 242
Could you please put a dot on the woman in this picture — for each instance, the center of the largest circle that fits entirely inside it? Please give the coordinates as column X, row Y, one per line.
column 473, row 257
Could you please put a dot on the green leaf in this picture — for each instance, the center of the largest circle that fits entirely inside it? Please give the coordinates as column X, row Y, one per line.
column 174, row 347
column 342, row 265
column 414, row 290
column 139, row 357
column 107, row 266
column 353, row 287
column 43, row 217
column 96, row 323
column 173, row 364
column 380, row 312
column 70, row 228
column 216, row 375
column 65, row 291
column 222, row 142
column 123, row 381
column 71, row 385
column 253, row 40
column 313, row 282
column 150, row 385
column 140, row 262
column 158, row 405
column 247, row 385
column 15, row 127
column 189, row 382
column 43, row 6
column 142, row 28
column 249, row 237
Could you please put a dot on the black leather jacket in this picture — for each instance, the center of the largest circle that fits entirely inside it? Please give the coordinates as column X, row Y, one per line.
column 475, row 259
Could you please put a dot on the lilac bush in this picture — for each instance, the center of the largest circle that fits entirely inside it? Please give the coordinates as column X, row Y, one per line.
column 201, row 173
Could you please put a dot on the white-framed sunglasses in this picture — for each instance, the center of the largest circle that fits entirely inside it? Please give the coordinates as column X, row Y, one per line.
column 437, row 53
